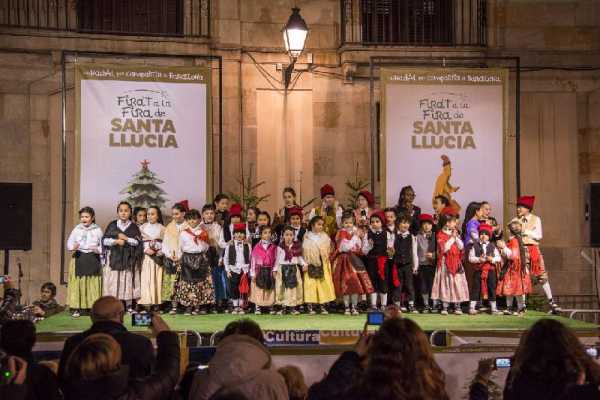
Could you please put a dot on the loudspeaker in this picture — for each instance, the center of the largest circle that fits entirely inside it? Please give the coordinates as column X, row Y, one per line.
column 593, row 213
column 15, row 216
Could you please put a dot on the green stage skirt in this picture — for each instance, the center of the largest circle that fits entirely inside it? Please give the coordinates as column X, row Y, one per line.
column 83, row 291
column 168, row 286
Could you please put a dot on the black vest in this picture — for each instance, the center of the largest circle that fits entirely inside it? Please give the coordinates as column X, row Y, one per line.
column 379, row 243
column 232, row 255
column 403, row 247
column 478, row 248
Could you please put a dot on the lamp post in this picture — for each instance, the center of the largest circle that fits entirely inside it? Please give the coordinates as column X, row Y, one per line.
column 294, row 38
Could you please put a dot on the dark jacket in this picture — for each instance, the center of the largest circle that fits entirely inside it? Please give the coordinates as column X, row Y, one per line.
column 40, row 382
column 137, row 350
column 529, row 391
column 117, row 386
column 343, row 373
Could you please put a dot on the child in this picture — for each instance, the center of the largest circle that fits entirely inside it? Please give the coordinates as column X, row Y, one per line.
column 350, row 277
column 170, row 248
column 406, row 261
column 221, row 203
column 329, row 210
column 47, row 305
column 153, row 232
column 140, row 215
column 288, row 281
column 513, row 280
column 282, row 217
column 85, row 269
column 390, row 219
column 296, row 215
column 123, row 240
column 378, row 245
column 483, row 256
column 318, row 285
column 426, row 255
column 449, row 284
column 439, row 203
column 365, row 202
column 217, row 244
column 236, row 259
column 251, row 217
column 263, row 219
column 532, row 235
column 262, row 271
column 234, row 217
column 194, row 288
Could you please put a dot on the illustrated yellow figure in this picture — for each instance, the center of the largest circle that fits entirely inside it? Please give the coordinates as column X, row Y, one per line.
column 443, row 186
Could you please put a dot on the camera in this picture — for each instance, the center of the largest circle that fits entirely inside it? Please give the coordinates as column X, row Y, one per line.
column 141, row 319
column 592, row 352
column 375, row 318
column 502, row 362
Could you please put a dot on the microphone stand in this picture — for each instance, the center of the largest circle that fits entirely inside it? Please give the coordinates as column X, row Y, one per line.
column 19, row 278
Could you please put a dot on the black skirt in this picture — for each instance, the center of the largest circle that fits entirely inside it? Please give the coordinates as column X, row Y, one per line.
column 264, row 278
column 195, row 267
column 87, row 264
column 289, row 276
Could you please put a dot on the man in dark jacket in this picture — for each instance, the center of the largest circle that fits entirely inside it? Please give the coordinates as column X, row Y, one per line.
column 107, row 317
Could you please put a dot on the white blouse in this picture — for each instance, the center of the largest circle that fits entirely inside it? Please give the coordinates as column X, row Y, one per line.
column 187, row 244
column 122, row 225
column 89, row 239
column 280, row 260
column 150, row 234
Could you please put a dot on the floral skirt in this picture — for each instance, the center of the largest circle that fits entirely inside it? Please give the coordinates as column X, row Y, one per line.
column 194, row 294
column 347, row 280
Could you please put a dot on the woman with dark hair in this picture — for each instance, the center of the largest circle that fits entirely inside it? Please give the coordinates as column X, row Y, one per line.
column 551, row 364
column 289, row 202
column 407, row 207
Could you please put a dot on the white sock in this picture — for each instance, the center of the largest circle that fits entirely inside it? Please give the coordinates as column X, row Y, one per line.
column 383, row 299
column 472, row 305
column 236, row 303
column 374, row 300
column 426, row 300
column 411, row 303
column 493, row 305
column 547, row 290
column 509, row 301
column 346, row 301
column 445, row 305
column 521, row 302
column 354, row 298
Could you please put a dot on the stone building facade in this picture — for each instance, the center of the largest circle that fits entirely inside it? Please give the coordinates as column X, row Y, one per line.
column 319, row 132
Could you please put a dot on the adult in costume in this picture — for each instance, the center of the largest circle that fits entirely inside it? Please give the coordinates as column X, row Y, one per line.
column 329, row 210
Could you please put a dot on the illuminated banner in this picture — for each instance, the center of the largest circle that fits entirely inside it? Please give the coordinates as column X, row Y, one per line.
column 143, row 136
column 443, row 133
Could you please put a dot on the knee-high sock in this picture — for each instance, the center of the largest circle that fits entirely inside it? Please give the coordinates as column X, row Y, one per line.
column 547, row 290
column 354, row 298
column 521, row 302
column 373, row 300
column 383, row 299
column 346, row 300
column 509, row 301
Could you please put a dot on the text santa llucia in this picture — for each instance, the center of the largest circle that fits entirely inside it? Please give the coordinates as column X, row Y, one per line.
column 142, row 132
column 442, row 134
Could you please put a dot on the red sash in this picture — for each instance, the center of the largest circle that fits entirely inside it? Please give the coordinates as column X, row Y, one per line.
column 201, row 236
column 381, row 264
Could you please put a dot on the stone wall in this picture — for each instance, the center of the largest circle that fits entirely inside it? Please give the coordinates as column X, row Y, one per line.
column 327, row 110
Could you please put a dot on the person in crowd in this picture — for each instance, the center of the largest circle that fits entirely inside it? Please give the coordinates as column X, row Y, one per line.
column 439, row 203
column 234, row 216
column 140, row 215
column 330, row 210
column 296, row 215
column 9, row 301
column 406, row 205
column 513, row 278
column 251, row 218
column 241, row 363
column 221, row 203
column 17, row 339
column 263, row 270
column 217, row 245
column 378, row 246
column 470, row 234
column 107, row 317
column 153, row 232
column 426, row 254
column 236, row 260
column 85, row 269
column 318, row 283
column 12, row 385
column 282, row 217
column 531, row 234
column 484, row 256
column 47, row 305
column 123, row 241
column 365, row 202
column 450, row 284
column 170, row 248
column 194, row 288
column 263, row 219
column 290, row 263
column 294, row 380
column 406, row 261
column 350, row 277
column 550, row 363
column 486, row 216
column 95, row 369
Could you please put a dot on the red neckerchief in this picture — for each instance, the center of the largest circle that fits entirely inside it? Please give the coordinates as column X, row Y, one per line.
column 201, row 236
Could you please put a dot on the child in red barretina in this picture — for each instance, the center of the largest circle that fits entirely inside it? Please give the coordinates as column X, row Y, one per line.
column 484, row 256
column 236, row 260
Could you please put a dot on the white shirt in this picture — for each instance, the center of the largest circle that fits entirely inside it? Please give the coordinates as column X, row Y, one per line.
column 187, row 244
column 88, row 238
column 473, row 259
column 367, row 246
column 150, row 234
column 280, row 260
column 215, row 232
column 122, row 225
column 239, row 265
column 451, row 241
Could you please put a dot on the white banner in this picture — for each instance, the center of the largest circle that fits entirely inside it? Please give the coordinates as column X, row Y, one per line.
column 143, row 137
column 444, row 134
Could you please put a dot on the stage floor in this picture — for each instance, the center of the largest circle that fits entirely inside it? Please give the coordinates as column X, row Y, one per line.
column 214, row 322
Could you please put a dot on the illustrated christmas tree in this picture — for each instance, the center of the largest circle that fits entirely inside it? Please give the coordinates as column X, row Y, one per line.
column 143, row 189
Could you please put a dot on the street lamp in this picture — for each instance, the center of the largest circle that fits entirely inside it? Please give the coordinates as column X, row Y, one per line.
column 294, row 38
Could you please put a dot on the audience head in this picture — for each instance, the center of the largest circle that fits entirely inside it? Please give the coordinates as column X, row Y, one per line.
column 107, row 308
column 228, row 394
column 246, row 327
column 97, row 356
column 294, row 380
column 17, row 338
column 400, row 364
column 48, row 291
column 551, row 354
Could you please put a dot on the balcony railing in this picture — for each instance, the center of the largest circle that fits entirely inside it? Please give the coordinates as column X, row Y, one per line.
column 190, row 18
column 414, row 22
